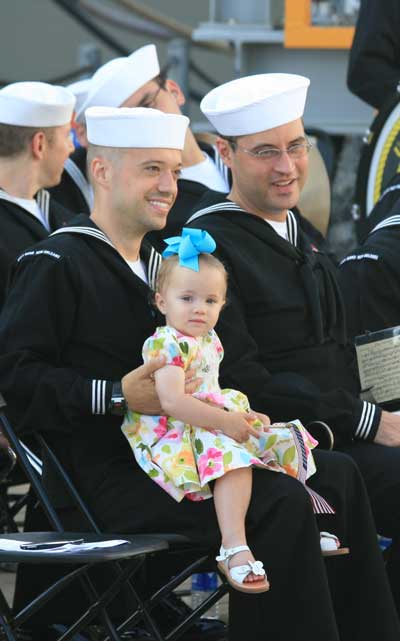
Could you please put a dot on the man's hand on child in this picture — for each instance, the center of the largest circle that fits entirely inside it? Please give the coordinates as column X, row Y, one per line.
column 139, row 390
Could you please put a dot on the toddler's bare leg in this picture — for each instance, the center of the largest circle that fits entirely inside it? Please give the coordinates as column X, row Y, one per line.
column 232, row 494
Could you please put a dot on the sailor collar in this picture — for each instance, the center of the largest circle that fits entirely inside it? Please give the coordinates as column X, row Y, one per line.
column 42, row 198
column 153, row 259
column 392, row 221
column 227, row 205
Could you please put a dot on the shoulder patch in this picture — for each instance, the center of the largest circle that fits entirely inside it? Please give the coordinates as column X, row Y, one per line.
column 359, row 257
column 38, row 252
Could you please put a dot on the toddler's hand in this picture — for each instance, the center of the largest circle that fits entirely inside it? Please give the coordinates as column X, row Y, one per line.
column 237, row 426
column 265, row 420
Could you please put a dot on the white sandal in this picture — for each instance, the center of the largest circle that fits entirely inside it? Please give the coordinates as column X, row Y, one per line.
column 237, row 575
column 330, row 545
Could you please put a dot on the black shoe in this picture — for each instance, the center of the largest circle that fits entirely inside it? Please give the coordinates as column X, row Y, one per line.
column 172, row 610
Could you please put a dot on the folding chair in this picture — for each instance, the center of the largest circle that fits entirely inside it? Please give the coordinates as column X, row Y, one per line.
column 12, row 501
column 132, row 553
column 138, row 547
column 8, row 504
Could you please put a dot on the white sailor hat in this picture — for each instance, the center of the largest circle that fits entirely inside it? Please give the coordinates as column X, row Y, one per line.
column 118, row 79
column 35, row 104
column 80, row 90
column 136, row 127
column 255, row 103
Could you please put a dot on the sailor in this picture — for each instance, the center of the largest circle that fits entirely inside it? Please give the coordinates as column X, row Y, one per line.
column 374, row 62
column 370, row 275
column 34, row 144
column 70, row 334
column 124, row 279
column 136, row 81
column 284, row 330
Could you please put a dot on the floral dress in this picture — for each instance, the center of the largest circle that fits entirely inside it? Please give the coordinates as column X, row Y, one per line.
column 183, row 458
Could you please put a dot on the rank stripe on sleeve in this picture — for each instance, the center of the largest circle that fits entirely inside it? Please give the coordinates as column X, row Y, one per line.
column 98, row 397
column 366, row 421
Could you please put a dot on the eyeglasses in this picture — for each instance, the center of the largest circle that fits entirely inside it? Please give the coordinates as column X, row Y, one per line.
column 151, row 101
column 295, row 151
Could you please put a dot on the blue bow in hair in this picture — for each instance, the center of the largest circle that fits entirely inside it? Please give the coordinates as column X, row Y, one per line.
column 188, row 247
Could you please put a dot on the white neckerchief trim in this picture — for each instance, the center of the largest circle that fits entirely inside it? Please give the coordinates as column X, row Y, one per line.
column 154, row 259
column 80, row 181
column 291, row 222
column 42, row 198
column 392, row 221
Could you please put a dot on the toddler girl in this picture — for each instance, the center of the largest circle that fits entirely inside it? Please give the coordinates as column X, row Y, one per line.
column 198, row 441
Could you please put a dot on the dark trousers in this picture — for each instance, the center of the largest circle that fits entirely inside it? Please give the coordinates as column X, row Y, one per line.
column 359, row 593
column 342, row 599
column 380, row 468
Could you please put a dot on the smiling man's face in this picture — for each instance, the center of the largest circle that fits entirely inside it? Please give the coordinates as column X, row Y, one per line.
column 264, row 186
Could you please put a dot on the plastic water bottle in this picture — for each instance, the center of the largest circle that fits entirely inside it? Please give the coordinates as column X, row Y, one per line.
column 203, row 585
column 384, row 542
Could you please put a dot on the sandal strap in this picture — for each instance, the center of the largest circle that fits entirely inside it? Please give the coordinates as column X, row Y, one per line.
column 240, row 572
column 225, row 554
column 329, row 541
column 329, row 535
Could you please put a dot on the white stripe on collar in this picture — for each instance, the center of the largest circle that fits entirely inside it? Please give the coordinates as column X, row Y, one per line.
column 43, row 200
column 291, row 224
column 88, row 231
column 154, row 259
column 388, row 190
column 223, row 169
column 154, row 265
column 222, row 206
column 80, row 181
column 392, row 221
column 291, row 221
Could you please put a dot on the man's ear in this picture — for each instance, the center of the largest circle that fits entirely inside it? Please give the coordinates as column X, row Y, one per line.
column 80, row 130
column 101, row 171
column 174, row 89
column 39, row 145
column 225, row 151
column 160, row 303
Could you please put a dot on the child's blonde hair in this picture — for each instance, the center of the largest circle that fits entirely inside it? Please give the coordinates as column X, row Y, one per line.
column 169, row 264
